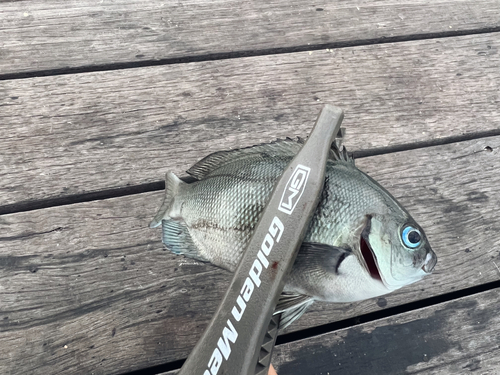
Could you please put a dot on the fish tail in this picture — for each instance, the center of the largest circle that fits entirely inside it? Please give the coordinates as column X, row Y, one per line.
column 173, row 185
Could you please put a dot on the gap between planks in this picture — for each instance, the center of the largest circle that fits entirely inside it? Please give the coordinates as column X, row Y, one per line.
column 54, row 36
column 160, row 185
column 241, row 54
column 454, row 337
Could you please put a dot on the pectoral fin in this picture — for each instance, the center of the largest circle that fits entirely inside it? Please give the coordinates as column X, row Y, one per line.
column 318, row 258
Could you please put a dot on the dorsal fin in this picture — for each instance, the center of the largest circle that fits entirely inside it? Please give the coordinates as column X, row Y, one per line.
column 342, row 154
column 287, row 147
column 280, row 147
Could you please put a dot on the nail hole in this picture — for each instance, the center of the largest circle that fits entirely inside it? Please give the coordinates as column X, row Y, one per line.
column 488, row 148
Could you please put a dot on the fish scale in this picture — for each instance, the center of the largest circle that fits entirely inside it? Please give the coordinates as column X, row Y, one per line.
column 233, row 196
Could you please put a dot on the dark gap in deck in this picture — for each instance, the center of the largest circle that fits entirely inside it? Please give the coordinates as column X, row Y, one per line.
column 160, row 185
column 423, row 144
column 81, row 198
column 347, row 323
column 386, row 313
column 154, row 370
column 240, row 54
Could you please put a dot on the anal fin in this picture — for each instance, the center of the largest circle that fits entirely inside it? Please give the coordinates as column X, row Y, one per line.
column 178, row 240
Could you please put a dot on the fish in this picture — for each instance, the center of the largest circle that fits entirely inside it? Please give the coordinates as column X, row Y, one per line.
column 360, row 243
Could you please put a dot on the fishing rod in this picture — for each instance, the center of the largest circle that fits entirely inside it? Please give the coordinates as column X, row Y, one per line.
column 241, row 335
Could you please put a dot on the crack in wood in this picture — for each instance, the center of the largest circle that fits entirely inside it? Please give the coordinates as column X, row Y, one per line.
column 30, row 234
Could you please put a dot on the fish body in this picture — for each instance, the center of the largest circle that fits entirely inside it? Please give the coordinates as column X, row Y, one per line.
column 361, row 242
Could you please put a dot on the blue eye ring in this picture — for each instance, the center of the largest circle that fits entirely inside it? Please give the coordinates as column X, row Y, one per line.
column 411, row 237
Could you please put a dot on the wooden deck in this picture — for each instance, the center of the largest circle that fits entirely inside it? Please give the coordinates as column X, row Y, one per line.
column 99, row 99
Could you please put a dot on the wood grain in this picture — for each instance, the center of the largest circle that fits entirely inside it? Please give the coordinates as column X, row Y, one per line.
column 76, row 133
column 457, row 337
column 87, row 287
column 60, row 34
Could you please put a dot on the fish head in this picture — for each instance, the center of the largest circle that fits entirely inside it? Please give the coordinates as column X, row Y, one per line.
column 395, row 249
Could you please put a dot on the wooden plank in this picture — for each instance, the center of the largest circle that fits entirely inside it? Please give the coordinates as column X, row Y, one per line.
column 457, row 337
column 75, row 298
column 72, row 134
column 60, row 34
column 87, row 287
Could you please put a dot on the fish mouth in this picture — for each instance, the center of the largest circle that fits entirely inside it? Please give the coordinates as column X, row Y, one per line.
column 430, row 261
column 367, row 252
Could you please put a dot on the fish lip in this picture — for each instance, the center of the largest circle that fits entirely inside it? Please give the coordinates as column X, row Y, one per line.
column 430, row 261
column 367, row 253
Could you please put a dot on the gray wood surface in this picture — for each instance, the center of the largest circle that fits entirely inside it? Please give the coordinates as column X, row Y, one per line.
column 87, row 288
column 76, row 133
column 58, row 34
column 452, row 338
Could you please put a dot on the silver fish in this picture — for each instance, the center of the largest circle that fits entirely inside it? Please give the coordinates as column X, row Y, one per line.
column 361, row 243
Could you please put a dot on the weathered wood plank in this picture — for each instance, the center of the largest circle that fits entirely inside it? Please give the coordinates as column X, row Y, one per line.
column 86, row 287
column 83, row 132
column 59, row 34
column 74, row 297
column 457, row 337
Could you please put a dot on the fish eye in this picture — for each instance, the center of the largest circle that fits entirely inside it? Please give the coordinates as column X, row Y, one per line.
column 412, row 237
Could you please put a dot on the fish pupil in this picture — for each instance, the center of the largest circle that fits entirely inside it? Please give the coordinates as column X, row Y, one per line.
column 414, row 237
